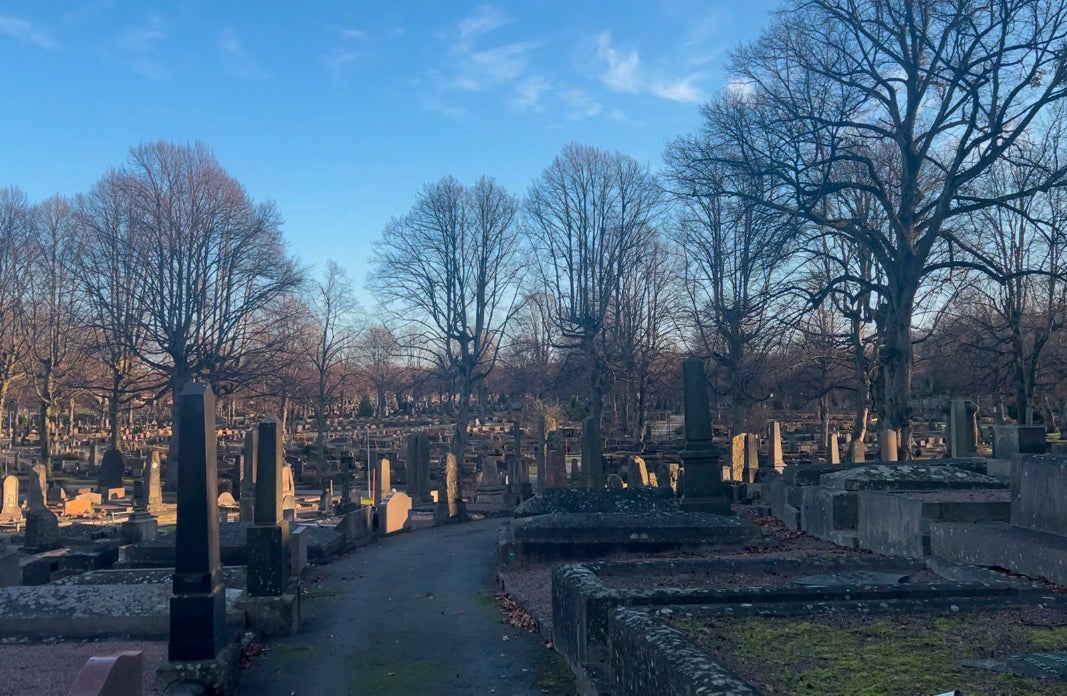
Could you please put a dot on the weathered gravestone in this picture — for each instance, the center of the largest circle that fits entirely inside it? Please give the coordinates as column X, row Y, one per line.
column 268, row 539
column 449, row 505
column 703, row 490
column 42, row 530
column 887, row 445
column 637, row 475
column 112, row 468
column 418, row 468
column 248, row 476
column 198, row 607
column 152, row 483
column 833, row 450
column 963, row 428
column 10, row 512
column 1009, row 440
column 36, row 486
column 288, row 493
column 775, row 458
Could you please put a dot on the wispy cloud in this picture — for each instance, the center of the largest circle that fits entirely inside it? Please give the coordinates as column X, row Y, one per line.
column 528, row 93
column 140, row 44
column 26, row 32
column 580, row 105
column 348, row 51
column 236, row 59
column 477, row 67
column 623, row 72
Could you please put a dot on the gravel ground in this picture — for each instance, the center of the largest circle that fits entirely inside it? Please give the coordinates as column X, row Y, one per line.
column 51, row 668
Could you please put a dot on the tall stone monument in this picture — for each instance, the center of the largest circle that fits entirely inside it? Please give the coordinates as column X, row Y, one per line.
column 703, row 488
column 418, row 471
column 198, row 607
column 248, row 476
column 268, row 538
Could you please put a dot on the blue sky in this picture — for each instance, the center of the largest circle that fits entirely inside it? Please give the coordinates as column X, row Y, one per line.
column 340, row 112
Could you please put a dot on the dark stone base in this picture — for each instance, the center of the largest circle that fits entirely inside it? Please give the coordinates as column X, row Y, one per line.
column 268, row 560
column 197, row 625
column 272, row 617
column 719, row 505
column 219, row 676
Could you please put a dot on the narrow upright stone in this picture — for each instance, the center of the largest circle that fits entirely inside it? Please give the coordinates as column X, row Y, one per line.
column 448, row 502
column 592, row 454
column 153, row 483
column 775, row 459
column 541, row 452
column 887, row 445
column 36, row 487
column 248, row 476
column 10, row 512
column 268, row 539
column 198, row 607
column 833, row 454
column 963, row 428
column 418, row 472
column 703, row 489
column 111, row 469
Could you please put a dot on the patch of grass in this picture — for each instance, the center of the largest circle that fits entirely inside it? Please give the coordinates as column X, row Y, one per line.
column 377, row 676
column 554, row 677
column 868, row 656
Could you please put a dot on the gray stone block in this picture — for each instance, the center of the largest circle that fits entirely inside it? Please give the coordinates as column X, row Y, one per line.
column 825, row 511
column 1024, row 551
column 898, row 524
column 1038, row 491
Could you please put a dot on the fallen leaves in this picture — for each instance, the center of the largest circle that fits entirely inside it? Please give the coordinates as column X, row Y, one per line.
column 515, row 615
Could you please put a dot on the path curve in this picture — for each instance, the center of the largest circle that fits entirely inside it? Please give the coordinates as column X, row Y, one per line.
column 411, row 614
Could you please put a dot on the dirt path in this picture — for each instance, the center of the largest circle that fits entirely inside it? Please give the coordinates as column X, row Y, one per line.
column 411, row 614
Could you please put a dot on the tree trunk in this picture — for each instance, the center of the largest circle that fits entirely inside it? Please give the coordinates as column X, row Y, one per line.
column 896, row 359
column 463, row 416
column 46, row 432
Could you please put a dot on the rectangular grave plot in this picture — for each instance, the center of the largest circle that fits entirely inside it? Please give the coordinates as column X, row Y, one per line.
column 584, row 595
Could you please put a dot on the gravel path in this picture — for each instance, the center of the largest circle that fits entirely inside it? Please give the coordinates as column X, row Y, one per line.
column 411, row 614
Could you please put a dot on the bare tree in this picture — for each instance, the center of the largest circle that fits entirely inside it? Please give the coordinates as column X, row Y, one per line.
column 328, row 343
column 589, row 216
column 737, row 253
column 16, row 250
column 53, row 308
column 115, row 314
column 908, row 102
column 209, row 262
column 378, row 352
column 450, row 270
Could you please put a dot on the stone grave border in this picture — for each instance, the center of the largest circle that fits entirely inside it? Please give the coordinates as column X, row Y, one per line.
column 583, row 606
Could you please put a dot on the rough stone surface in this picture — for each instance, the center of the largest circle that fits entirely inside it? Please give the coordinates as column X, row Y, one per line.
column 1038, row 492
column 635, row 501
column 905, row 477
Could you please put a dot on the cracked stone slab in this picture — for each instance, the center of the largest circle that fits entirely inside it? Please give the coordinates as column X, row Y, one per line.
column 908, row 477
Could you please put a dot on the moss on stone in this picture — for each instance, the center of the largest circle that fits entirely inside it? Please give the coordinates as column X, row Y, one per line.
column 871, row 656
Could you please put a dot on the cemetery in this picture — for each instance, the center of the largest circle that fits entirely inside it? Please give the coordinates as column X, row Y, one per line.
column 780, row 411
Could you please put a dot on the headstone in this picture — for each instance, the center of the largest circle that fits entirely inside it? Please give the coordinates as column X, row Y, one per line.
column 555, row 469
column 448, row 494
column 775, row 458
column 833, row 454
column 248, row 476
column 42, row 530
column 667, row 476
column 393, row 512
column 112, row 468
column 737, row 457
column 288, row 493
column 76, row 507
column 153, row 483
column 382, row 478
column 198, row 607
column 36, row 487
column 268, row 539
column 1009, row 440
column 10, row 512
column 751, row 457
column 963, row 428
column 703, row 490
column 92, row 454
column 857, row 452
column 418, row 467
column 638, row 474
column 541, row 452
column 226, row 500
column 121, row 674
column 887, row 445
column 614, row 482
column 592, row 454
